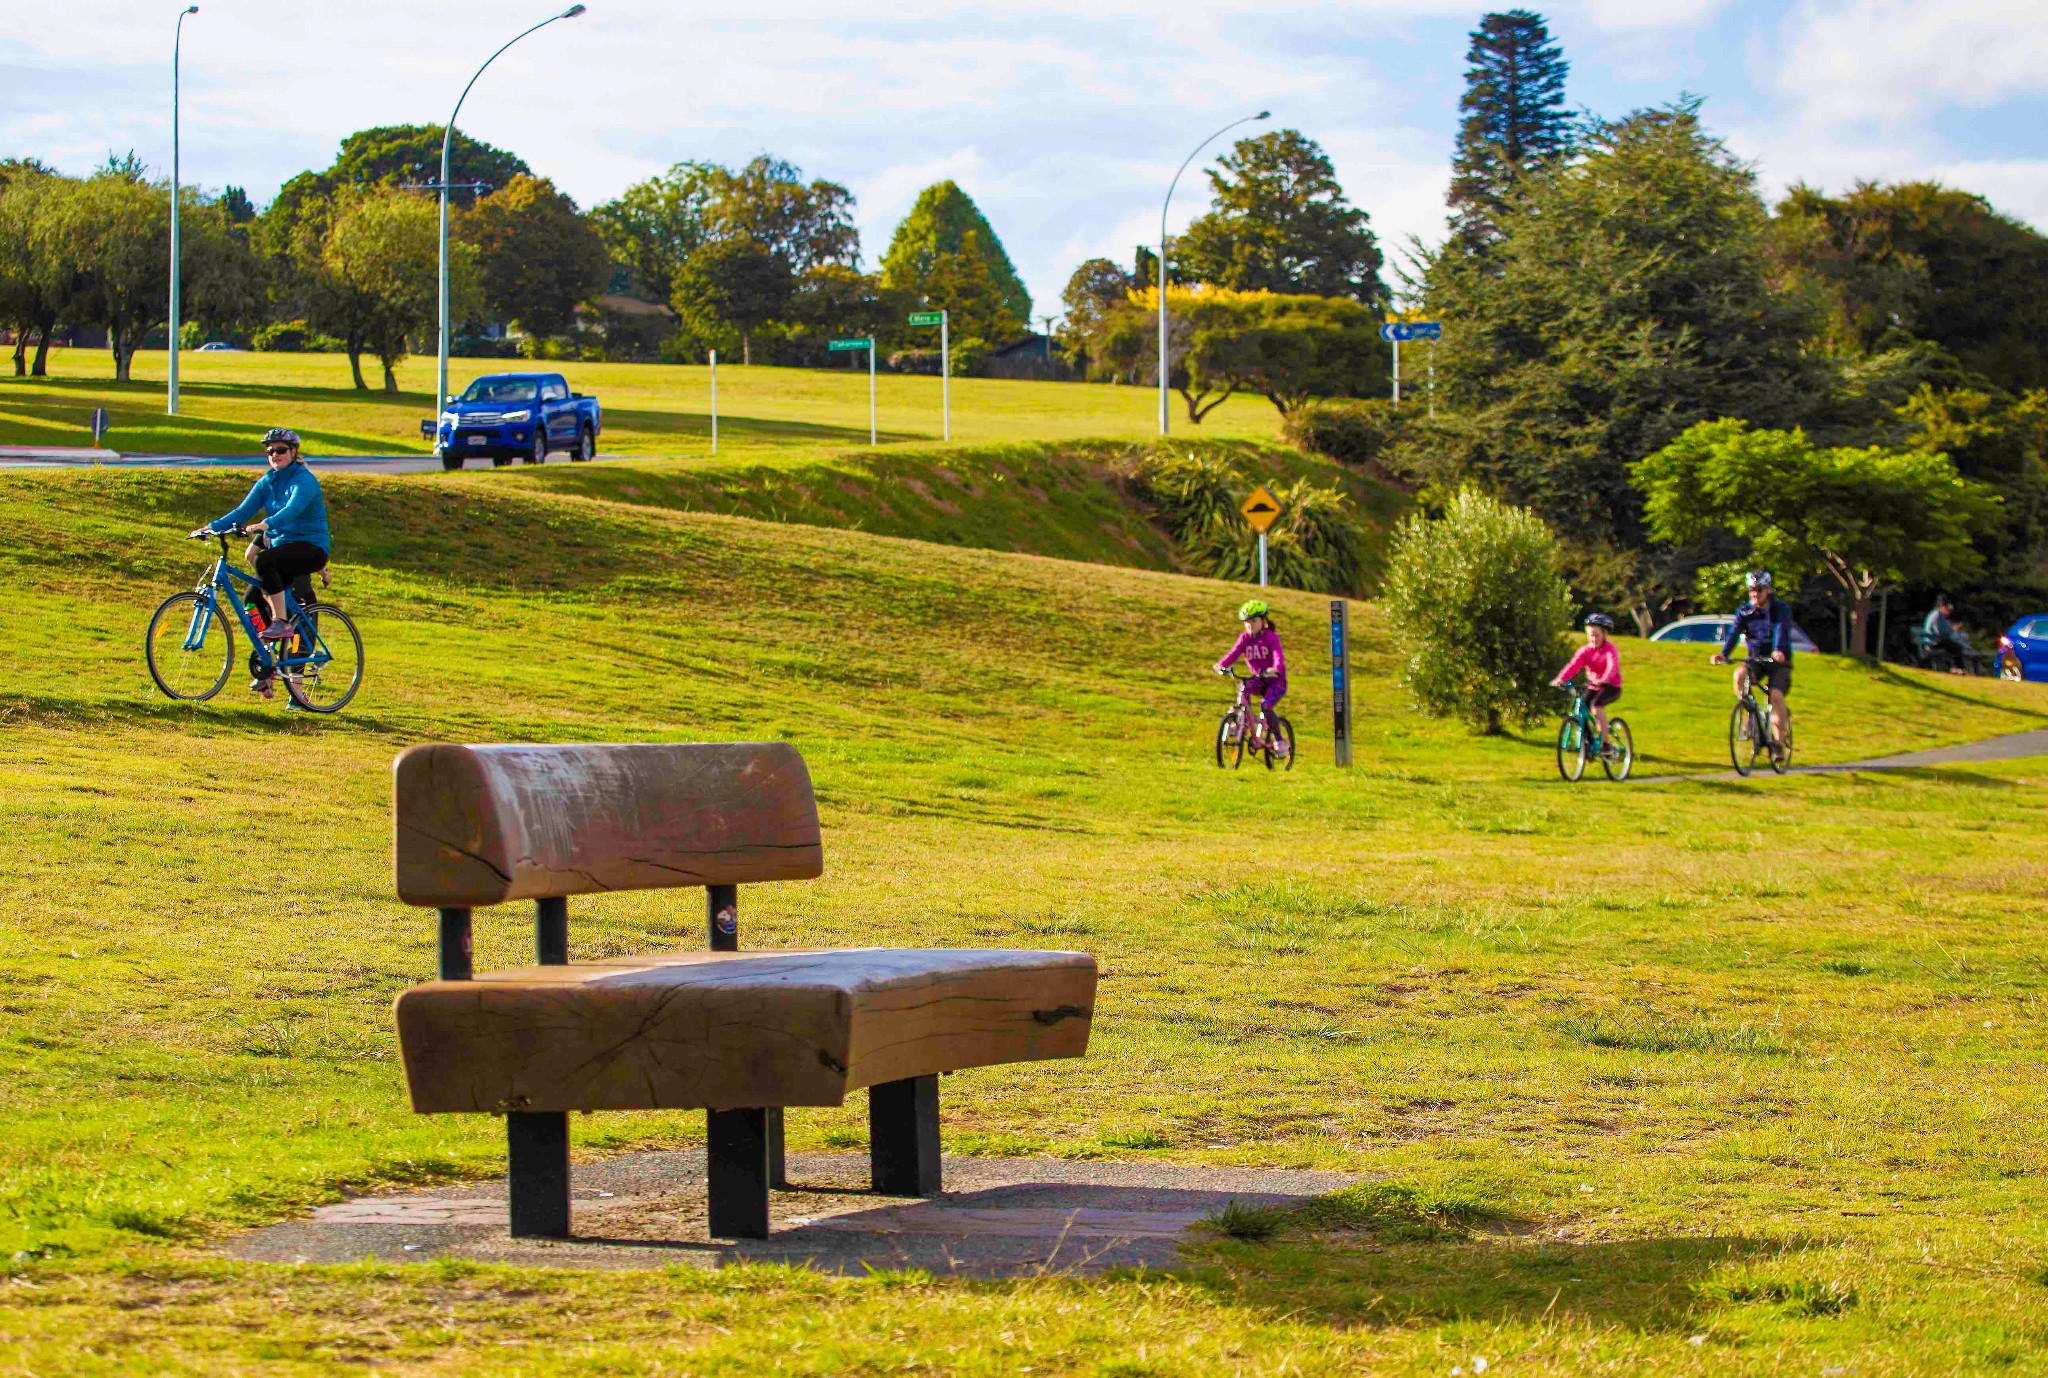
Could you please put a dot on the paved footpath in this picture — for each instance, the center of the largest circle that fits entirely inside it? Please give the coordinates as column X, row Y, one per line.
column 2017, row 746
column 999, row 1217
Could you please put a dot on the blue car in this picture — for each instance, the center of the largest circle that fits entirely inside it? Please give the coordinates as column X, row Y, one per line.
column 2023, row 650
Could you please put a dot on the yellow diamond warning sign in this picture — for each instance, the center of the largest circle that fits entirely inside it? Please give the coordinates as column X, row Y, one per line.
column 1261, row 509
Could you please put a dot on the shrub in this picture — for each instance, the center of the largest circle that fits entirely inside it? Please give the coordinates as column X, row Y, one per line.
column 1476, row 601
column 294, row 337
column 1357, row 434
column 1316, row 544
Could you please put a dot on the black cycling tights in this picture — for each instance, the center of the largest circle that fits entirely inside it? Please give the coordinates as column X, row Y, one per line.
column 281, row 564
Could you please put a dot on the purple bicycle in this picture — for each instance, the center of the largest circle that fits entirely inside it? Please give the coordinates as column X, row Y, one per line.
column 1244, row 726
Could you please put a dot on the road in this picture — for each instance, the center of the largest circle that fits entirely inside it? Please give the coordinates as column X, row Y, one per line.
column 30, row 457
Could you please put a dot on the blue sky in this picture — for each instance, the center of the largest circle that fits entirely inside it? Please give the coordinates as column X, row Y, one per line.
column 1064, row 119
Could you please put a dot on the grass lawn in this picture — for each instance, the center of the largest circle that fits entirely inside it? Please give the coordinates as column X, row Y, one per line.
column 1699, row 1076
column 227, row 401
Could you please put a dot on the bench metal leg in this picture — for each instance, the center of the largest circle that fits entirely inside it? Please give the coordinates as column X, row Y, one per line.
column 537, row 1147
column 736, row 1159
column 903, row 1137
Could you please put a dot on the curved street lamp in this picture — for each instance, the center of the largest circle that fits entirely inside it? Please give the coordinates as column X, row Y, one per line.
column 1248, row 119
column 447, row 135
column 177, row 41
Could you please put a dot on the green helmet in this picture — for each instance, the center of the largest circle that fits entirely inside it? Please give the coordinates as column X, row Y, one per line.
column 1252, row 608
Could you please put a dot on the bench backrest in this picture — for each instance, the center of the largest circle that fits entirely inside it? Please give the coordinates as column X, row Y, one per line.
column 480, row 825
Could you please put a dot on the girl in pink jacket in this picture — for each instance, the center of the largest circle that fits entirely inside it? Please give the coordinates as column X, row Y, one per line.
column 1602, row 664
column 1259, row 647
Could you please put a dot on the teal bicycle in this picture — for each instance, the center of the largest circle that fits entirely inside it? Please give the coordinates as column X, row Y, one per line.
column 1579, row 742
column 1750, row 731
column 191, row 642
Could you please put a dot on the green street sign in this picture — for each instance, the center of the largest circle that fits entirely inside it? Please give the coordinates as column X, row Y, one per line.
column 851, row 344
column 926, row 317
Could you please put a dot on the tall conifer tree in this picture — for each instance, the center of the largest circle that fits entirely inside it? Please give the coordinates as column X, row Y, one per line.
column 1515, row 120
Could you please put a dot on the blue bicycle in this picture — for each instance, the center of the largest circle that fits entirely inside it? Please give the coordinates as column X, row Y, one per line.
column 191, row 642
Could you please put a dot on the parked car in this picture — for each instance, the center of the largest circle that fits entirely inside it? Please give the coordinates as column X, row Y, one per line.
column 515, row 415
column 1712, row 627
column 2023, row 650
column 218, row 347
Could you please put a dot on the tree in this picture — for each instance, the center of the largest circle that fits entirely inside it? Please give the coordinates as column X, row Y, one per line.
column 397, row 154
column 1097, row 288
column 1220, row 342
column 380, row 277
column 38, row 279
column 108, row 235
column 1475, row 600
column 734, row 285
column 537, row 259
column 1628, row 299
column 1515, row 121
column 804, row 224
column 1861, row 516
column 945, row 246
column 236, row 206
column 1291, row 349
column 1281, row 224
column 2001, row 440
column 655, row 225
column 1920, row 261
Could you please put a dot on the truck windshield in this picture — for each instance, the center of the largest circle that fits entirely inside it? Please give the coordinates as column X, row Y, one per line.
column 500, row 390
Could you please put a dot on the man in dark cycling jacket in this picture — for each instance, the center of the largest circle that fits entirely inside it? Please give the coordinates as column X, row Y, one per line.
column 1765, row 627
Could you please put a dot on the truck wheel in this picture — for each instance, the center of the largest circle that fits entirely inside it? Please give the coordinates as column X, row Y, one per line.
column 586, row 447
column 540, row 446
column 450, row 459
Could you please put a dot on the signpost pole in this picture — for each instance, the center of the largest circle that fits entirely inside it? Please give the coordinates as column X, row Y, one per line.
column 1262, row 559
column 945, row 375
column 1397, row 371
column 714, row 401
column 871, row 392
column 1432, row 379
column 1340, row 677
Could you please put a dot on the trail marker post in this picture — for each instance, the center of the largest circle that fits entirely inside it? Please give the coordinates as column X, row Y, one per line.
column 1340, row 677
column 841, row 346
column 1261, row 510
column 99, row 425
column 714, row 401
column 939, row 318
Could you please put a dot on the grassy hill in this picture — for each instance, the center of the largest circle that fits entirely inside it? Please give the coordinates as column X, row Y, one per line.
column 227, row 401
column 1638, row 1063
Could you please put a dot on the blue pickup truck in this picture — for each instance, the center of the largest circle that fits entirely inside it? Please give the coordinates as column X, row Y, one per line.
column 509, row 416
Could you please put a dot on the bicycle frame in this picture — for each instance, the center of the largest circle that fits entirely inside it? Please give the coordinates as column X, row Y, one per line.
column 219, row 579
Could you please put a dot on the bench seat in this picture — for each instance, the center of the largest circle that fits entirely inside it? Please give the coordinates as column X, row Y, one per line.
column 723, row 1030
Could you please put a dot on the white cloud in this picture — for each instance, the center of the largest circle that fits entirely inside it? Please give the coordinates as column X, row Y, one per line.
column 1891, row 60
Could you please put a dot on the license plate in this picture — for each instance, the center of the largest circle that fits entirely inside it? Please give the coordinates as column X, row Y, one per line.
column 476, row 440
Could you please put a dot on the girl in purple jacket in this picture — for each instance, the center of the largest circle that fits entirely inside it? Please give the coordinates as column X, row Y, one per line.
column 1259, row 647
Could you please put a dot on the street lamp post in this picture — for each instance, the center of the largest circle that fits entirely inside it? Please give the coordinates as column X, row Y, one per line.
column 177, row 40
column 447, row 136
column 1248, row 119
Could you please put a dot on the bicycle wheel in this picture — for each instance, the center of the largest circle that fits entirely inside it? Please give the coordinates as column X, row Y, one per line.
column 1620, row 757
column 1571, row 749
column 325, row 680
column 1781, row 759
column 1741, row 749
column 1229, row 741
column 1286, row 735
column 190, row 647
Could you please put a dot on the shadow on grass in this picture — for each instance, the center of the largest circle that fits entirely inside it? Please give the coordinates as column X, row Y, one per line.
column 1639, row 1284
column 1899, row 681
column 231, row 710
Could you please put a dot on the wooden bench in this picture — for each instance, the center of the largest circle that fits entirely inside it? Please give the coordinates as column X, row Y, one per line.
column 740, row 1035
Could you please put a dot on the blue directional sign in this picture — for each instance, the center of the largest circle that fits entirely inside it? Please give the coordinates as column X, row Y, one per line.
column 1400, row 332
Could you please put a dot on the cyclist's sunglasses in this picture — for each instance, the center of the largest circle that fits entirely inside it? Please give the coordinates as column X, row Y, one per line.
column 277, row 449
